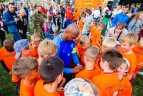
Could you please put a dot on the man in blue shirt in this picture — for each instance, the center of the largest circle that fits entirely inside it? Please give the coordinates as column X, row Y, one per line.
column 121, row 17
column 66, row 48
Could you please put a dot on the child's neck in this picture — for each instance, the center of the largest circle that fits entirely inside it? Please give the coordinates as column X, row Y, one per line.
column 28, row 83
column 51, row 87
column 120, row 76
column 128, row 52
column 89, row 68
column 107, row 71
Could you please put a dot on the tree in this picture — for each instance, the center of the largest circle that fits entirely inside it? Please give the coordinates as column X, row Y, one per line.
column 4, row 0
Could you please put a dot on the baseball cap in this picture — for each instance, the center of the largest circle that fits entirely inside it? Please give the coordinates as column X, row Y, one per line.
column 19, row 45
column 79, row 87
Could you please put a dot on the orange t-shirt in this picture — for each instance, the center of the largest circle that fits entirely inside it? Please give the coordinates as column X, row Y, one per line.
column 125, row 87
column 40, row 91
column 34, row 52
column 80, row 25
column 95, row 36
column 87, row 74
column 26, row 91
column 7, row 57
column 108, row 83
column 76, row 16
column 132, row 59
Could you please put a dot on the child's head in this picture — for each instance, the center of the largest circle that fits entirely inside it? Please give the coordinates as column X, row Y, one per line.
column 47, row 48
column 100, row 26
column 21, row 48
column 129, row 41
column 35, row 40
column 111, row 60
column 83, row 17
column 109, row 43
column 85, row 41
column 51, row 70
column 25, row 68
column 92, row 23
column 88, row 12
column 91, row 55
column 123, row 69
column 8, row 45
column 50, row 18
column 141, row 43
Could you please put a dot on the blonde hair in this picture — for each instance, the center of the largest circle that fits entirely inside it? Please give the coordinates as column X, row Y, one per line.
column 35, row 37
column 92, row 53
column 110, row 42
column 84, row 39
column 141, row 42
column 46, row 48
column 24, row 66
column 21, row 10
column 130, row 38
column 137, row 15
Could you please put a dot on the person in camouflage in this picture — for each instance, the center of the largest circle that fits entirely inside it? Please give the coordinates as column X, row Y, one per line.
column 38, row 19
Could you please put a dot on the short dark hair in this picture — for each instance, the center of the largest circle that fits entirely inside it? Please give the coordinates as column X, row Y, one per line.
column 113, row 57
column 8, row 45
column 88, row 11
column 50, row 18
column 12, row 3
column 50, row 68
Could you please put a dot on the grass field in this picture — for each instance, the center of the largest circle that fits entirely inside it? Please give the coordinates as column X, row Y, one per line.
column 7, row 88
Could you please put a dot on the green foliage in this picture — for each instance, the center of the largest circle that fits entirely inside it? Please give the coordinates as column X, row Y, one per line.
column 4, row 0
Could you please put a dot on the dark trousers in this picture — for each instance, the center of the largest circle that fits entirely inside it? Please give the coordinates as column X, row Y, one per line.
column 2, row 37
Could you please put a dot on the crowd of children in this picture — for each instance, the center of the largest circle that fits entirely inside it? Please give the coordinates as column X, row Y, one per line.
column 107, row 67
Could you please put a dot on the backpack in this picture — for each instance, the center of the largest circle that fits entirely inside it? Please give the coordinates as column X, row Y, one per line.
column 49, row 27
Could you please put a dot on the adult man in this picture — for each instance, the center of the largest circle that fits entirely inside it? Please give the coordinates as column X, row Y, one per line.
column 121, row 17
column 66, row 48
column 10, row 19
column 38, row 19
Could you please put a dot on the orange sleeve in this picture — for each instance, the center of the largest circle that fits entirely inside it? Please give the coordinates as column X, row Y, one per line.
column 82, row 74
column 37, row 89
column 1, row 54
column 15, row 78
column 34, row 52
column 80, row 24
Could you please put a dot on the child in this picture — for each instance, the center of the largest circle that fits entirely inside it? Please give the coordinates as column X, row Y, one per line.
column 81, row 21
column 49, row 28
column 82, row 45
column 51, row 71
column 26, row 69
column 127, row 44
column 95, row 33
column 7, row 54
column 46, row 49
column 35, row 41
column 138, row 50
column 108, row 81
column 125, row 87
column 91, row 66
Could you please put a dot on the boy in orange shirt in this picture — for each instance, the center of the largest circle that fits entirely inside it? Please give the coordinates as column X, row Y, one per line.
column 35, row 41
column 95, row 33
column 125, row 87
column 91, row 67
column 26, row 68
column 51, row 71
column 138, row 50
column 127, row 44
column 82, row 45
column 81, row 21
column 108, row 81
column 7, row 54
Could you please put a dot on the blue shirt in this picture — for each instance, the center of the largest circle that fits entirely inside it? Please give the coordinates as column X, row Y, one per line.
column 67, row 52
column 120, row 18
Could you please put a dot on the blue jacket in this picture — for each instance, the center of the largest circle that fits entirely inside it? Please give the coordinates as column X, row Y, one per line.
column 9, row 21
column 67, row 52
column 120, row 18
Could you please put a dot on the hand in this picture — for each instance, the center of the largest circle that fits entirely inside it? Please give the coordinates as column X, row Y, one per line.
column 16, row 19
column 60, row 89
column 21, row 31
column 77, row 69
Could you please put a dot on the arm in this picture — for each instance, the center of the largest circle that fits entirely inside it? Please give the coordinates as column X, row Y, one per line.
column 114, row 20
column 75, row 57
column 68, row 70
column 6, row 20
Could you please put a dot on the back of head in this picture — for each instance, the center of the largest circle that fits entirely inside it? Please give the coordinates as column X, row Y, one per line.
column 130, row 38
column 92, row 53
column 113, row 58
column 8, row 44
column 76, row 87
column 110, row 42
column 50, row 69
column 84, row 39
column 24, row 66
